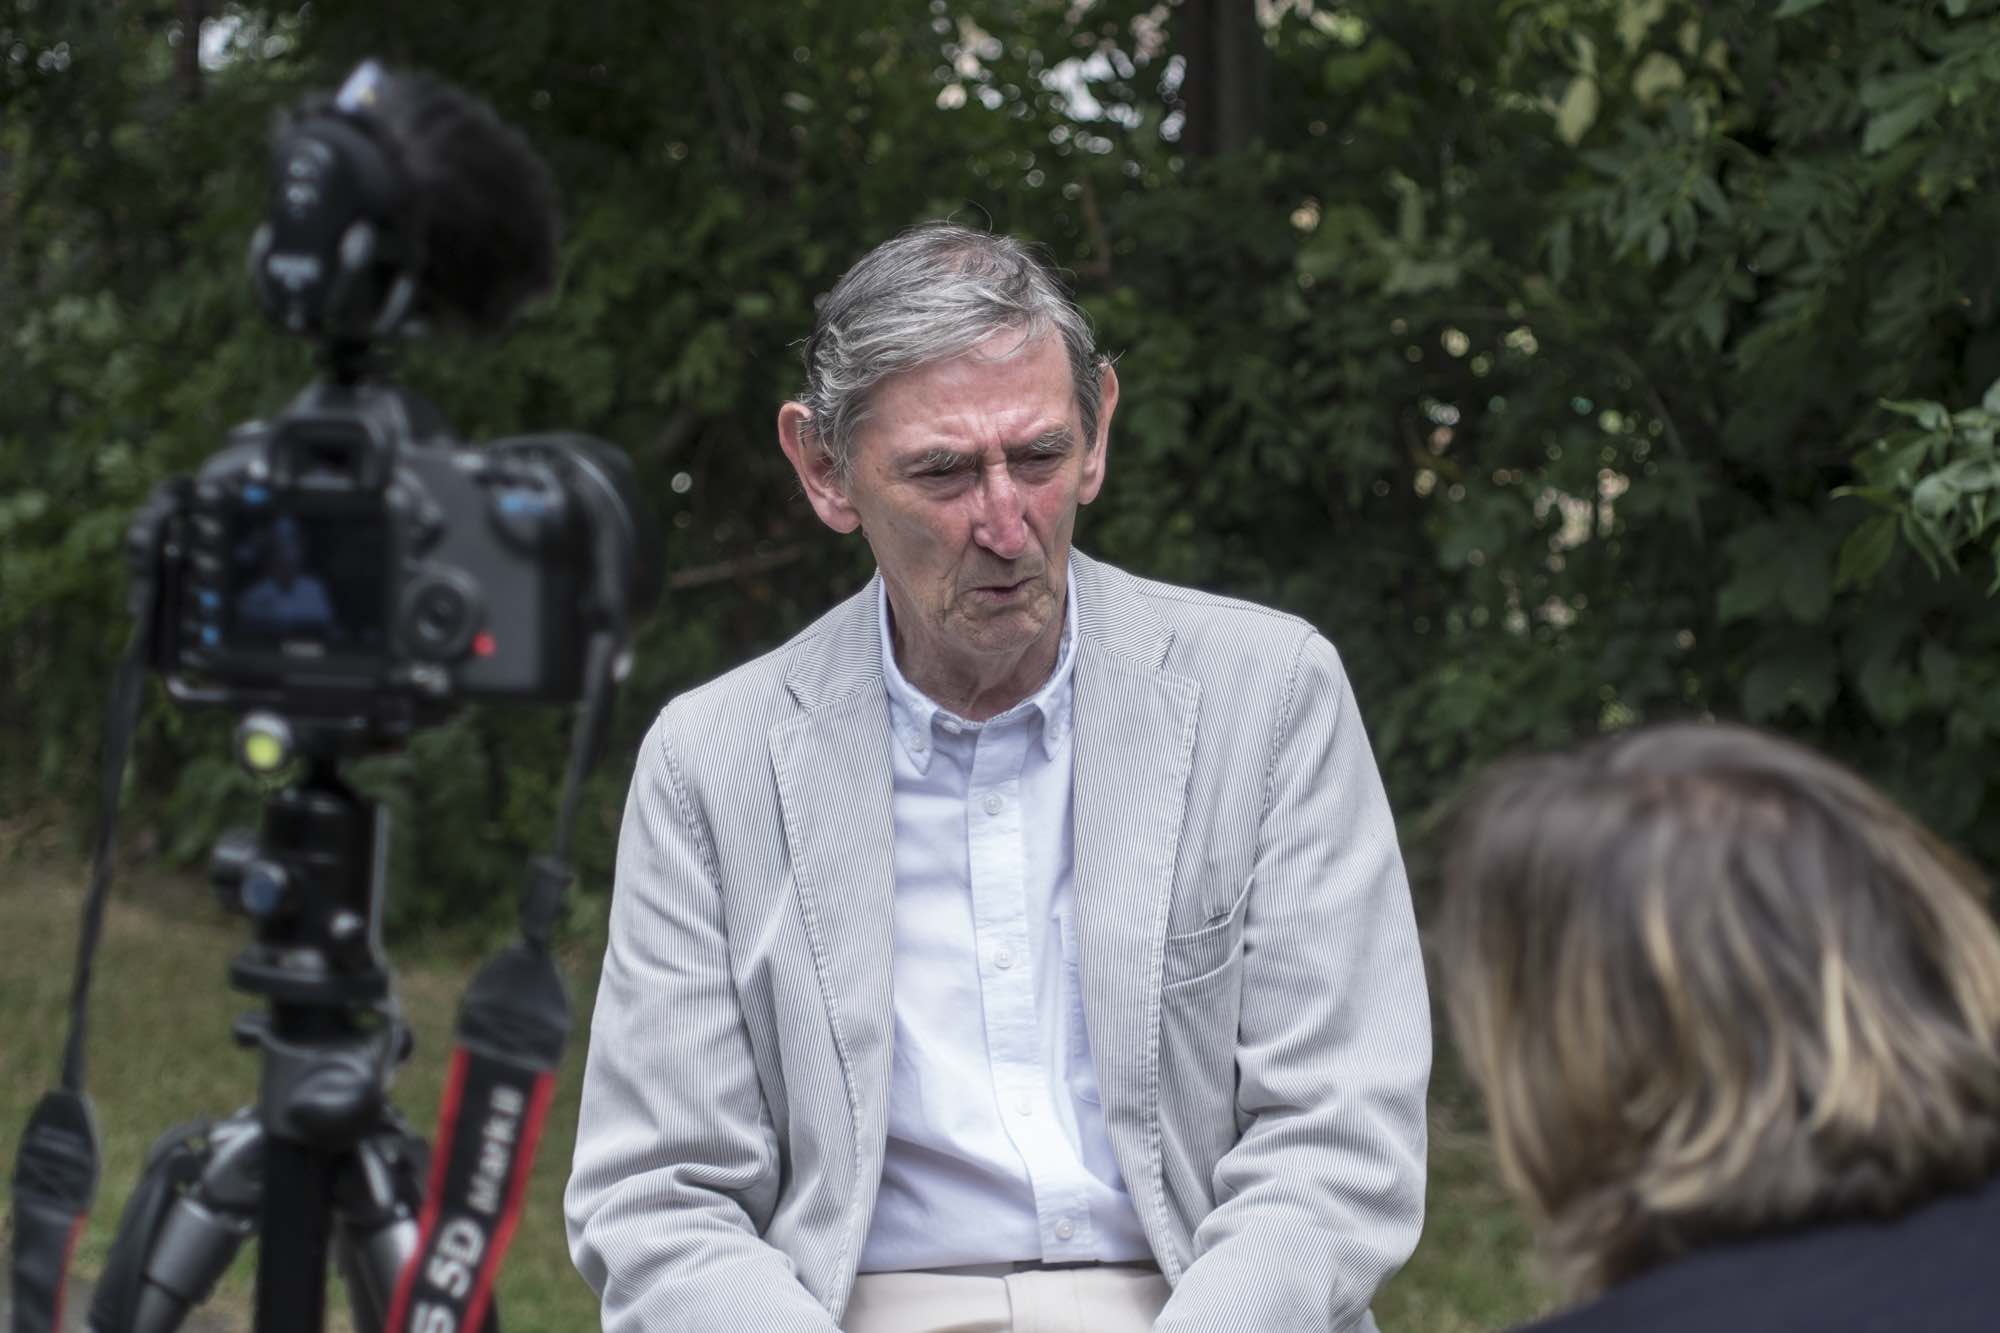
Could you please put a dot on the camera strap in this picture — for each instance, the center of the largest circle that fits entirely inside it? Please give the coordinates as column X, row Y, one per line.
column 512, row 1027
column 56, row 1169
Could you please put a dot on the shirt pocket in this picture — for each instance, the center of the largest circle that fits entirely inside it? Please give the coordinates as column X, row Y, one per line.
column 1200, row 954
column 1079, row 1069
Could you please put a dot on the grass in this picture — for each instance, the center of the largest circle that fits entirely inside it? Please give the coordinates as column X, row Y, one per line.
column 160, row 1054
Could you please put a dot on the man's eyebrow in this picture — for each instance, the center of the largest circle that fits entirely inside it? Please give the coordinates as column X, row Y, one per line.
column 1060, row 440
column 1054, row 443
column 943, row 460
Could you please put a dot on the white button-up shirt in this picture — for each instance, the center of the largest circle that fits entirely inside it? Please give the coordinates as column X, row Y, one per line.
column 996, row 1146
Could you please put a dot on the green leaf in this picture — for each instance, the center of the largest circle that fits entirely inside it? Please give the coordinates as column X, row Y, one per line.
column 1865, row 551
column 1922, row 535
column 1656, row 243
column 1973, row 476
column 1712, row 319
column 1932, row 497
column 1793, row 8
column 1560, row 242
column 1708, row 193
column 1929, row 415
column 1578, row 110
column 1888, row 128
column 1657, row 73
column 1991, row 402
column 1747, row 594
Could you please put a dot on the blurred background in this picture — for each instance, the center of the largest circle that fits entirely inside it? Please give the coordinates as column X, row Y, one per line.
column 1570, row 363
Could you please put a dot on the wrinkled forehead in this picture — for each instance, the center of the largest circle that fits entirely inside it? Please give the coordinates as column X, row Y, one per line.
column 1021, row 382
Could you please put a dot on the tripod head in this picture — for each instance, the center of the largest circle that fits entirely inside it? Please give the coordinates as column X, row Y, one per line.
column 312, row 880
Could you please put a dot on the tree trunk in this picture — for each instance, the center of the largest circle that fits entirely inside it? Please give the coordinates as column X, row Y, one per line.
column 187, row 59
column 1223, row 84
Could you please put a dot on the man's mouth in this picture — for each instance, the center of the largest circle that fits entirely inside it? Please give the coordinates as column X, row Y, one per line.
column 1000, row 592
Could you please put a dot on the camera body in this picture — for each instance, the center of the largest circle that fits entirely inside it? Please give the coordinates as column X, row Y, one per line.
column 350, row 560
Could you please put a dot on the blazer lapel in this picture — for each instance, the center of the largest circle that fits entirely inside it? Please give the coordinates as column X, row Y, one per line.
column 1135, row 727
column 833, row 773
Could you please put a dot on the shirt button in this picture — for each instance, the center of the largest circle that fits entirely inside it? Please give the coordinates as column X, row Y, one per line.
column 992, row 803
column 919, row 744
column 1024, row 1104
column 1065, row 1229
column 1003, row 958
column 949, row 725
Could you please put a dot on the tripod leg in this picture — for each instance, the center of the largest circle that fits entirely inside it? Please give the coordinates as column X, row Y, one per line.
column 294, row 1229
column 376, row 1205
column 375, row 1227
column 190, row 1212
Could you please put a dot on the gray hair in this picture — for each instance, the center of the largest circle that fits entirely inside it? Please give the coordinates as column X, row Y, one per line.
column 934, row 292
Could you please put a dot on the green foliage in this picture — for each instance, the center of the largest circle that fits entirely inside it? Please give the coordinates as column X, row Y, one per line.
column 1938, row 482
column 1571, row 362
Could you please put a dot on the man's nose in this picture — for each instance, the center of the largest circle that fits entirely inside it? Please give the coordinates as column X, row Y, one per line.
column 1000, row 525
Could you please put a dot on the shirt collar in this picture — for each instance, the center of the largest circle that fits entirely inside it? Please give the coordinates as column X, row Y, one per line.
column 914, row 715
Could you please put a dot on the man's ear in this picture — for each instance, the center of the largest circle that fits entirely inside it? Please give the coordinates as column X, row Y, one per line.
column 823, row 487
column 1092, row 480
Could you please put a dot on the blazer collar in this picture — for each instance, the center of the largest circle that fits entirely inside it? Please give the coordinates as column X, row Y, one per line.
column 840, row 653
column 1113, row 617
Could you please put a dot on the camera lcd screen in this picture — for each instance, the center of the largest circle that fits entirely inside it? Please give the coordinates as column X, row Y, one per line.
column 307, row 583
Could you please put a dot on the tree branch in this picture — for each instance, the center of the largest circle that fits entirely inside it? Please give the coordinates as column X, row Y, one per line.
column 728, row 571
column 1098, row 267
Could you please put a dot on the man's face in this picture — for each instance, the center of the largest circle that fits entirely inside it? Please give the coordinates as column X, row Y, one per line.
column 965, row 480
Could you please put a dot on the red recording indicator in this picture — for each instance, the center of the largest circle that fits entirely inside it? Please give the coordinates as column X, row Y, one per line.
column 482, row 644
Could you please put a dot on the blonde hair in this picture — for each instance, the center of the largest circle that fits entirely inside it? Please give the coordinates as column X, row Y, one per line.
column 1712, row 983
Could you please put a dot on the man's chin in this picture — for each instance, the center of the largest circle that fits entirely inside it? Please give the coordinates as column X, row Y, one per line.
column 1003, row 629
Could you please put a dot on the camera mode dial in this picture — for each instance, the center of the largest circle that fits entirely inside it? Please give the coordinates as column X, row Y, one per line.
column 529, row 509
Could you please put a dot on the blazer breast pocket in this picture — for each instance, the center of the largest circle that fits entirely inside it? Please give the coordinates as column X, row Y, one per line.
column 1200, row 954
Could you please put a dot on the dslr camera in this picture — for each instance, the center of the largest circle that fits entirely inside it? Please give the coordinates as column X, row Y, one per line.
column 349, row 562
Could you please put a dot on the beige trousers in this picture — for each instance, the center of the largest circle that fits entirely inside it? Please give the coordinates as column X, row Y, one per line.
column 1092, row 1298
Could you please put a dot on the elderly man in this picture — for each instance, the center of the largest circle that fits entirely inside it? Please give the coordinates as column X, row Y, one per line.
column 1024, row 945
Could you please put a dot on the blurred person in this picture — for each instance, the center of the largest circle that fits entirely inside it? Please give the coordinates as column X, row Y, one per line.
column 1736, row 1020
column 288, row 598
column 1026, row 938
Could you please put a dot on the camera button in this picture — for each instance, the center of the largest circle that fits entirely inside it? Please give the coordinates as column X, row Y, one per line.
column 440, row 615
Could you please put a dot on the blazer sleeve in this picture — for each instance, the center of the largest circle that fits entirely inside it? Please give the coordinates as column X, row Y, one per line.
column 676, row 1167
column 1322, row 1197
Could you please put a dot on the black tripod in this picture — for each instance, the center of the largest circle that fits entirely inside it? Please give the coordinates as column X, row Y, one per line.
column 322, row 1161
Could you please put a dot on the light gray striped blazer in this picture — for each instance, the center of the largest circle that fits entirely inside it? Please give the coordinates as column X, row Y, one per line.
column 1251, row 976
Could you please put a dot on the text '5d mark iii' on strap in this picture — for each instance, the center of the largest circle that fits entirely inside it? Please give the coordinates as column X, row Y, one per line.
column 511, row 1031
